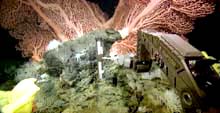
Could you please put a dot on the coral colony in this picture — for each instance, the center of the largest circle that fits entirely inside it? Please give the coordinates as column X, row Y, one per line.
column 36, row 22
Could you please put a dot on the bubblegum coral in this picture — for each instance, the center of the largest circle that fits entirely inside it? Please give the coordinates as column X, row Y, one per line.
column 61, row 20
column 173, row 16
column 45, row 20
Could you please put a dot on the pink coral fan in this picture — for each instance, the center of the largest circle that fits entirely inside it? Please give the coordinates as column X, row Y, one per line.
column 173, row 16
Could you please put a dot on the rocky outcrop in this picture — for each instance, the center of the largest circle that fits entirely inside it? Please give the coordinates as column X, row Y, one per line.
column 72, row 85
column 72, row 57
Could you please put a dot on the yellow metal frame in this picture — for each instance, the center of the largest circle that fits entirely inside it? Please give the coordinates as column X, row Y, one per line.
column 215, row 66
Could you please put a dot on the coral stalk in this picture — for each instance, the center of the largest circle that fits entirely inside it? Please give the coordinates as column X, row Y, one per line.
column 56, row 28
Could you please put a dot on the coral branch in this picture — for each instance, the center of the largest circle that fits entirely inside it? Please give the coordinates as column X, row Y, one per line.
column 77, row 28
column 32, row 41
column 193, row 9
column 174, row 16
column 68, row 19
column 62, row 20
column 151, row 6
column 125, row 46
column 53, row 25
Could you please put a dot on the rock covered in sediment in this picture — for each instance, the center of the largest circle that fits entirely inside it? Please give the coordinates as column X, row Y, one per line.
column 70, row 58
